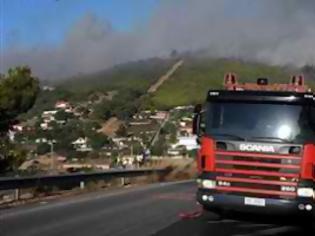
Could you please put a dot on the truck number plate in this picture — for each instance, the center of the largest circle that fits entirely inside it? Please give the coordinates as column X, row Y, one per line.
column 255, row 201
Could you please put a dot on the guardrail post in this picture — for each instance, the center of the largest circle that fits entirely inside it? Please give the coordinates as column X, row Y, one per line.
column 82, row 185
column 122, row 179
column 17, row 194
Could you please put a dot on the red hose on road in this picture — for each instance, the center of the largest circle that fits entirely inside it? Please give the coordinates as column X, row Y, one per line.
column 191, row 215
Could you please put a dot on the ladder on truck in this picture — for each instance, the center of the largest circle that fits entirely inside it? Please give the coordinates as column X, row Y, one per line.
column 296, row 84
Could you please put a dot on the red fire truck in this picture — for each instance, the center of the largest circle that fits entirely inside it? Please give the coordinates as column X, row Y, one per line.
column 257, row 148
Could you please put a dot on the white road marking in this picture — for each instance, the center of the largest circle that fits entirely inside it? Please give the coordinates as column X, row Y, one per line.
column 222, row 221
column 249, row 225
column 271, row 232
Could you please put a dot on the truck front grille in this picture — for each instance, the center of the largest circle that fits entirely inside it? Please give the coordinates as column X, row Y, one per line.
column 257, row 174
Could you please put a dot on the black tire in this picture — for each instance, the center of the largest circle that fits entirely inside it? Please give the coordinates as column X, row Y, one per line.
column 309, row 229
column 308, row 225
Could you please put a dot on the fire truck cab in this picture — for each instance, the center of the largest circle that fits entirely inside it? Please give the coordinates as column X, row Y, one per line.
column 257, row 148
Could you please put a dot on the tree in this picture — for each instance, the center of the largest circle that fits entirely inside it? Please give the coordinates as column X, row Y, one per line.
column 90, row 127
column 192, row 153
column 66, row 134
column 137, row 148
column 122, row 131
column 102, row 111
column 43, row 148
column 11, row 156
column 173, row 138
column 160, row 147
column 97, row 141
column 171, row 130
column 146, row 103
column 18, row 92
column 83, row 111
column 63, row 116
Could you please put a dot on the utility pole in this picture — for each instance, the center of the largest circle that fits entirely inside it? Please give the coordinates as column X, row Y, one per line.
column 52, row 156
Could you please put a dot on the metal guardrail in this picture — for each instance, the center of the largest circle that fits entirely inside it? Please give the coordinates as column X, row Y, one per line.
column 55, row 180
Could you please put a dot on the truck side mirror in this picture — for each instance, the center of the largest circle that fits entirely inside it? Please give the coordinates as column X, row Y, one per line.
column 196, row 124
column 197, row 119
column 313, row 113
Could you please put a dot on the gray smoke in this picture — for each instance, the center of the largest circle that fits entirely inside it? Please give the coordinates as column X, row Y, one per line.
column 273, row 31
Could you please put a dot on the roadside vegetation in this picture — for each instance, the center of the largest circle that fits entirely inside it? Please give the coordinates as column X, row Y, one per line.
column 18, row 92
column 118, row 93
column 124, row 84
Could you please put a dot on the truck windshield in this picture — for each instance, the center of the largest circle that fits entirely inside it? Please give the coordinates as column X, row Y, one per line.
column 260, row 121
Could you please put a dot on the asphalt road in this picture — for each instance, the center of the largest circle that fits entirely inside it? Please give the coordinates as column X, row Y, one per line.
column 146, row 210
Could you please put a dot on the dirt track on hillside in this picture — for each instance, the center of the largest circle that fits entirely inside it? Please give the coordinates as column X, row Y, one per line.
column 165, row 77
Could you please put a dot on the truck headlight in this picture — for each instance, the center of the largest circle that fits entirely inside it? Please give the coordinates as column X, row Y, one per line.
column 305, row 192
column 208, row 184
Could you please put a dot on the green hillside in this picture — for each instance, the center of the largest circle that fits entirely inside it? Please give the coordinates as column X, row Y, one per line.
column 130, row 81
column 192, row 81
column 188, row 85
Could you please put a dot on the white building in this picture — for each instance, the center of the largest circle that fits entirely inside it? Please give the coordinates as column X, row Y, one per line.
column 48, row 114
column 41, row 140
column 190, row 143
column 81, row 145
column 62, row 105
column 18, row 128
column 160, row 115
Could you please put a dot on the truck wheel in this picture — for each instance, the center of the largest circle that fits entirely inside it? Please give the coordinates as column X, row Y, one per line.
column 308, row 225
column 310, row 228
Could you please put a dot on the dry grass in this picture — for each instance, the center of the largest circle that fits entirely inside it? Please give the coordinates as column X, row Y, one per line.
column 111, row 126
column 180, row 169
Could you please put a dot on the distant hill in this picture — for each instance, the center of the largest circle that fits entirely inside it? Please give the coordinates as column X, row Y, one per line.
column 187, row 85
column 134, row 75
column 129, row 80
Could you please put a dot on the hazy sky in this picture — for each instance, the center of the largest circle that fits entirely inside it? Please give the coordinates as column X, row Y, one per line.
column 33, row 22
column 60, row 38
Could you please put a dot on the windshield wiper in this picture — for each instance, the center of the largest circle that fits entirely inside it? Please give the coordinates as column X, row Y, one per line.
column 270, row 138
column 229, row 136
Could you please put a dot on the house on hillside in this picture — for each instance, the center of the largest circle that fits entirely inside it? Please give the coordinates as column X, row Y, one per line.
column 48, row 88
column 142, row 115
column 185, row 127
column 160, row 115
column 45, row 126
column 109, row 149
column 62, row 105
column 81, row 145
column 41, row 140
column 17, row 128
column 181, row 108
column 49, row 116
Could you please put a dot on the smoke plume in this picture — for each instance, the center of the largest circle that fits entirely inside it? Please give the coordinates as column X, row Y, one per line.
column 277, row 32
